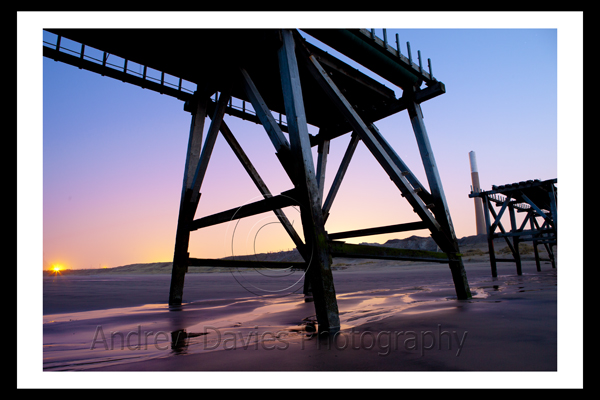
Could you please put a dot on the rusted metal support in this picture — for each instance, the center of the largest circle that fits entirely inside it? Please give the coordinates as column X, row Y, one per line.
column 319, row 269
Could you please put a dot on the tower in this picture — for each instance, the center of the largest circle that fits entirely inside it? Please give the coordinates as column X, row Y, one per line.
column 479, row 221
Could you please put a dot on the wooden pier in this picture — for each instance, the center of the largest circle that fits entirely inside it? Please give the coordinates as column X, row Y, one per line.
column 279, row 73
column 538, row 199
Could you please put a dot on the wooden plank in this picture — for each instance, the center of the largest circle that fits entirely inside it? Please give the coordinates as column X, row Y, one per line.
column 409, row 226
column 205, row 262
column 342, row 249
column 283, row 200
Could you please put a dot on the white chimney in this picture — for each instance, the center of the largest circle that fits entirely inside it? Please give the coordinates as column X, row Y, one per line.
column 479, row 219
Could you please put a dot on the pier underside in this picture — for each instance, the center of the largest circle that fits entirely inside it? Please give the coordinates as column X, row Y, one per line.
column 277, row 79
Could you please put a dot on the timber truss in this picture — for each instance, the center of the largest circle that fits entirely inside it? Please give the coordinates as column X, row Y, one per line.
column 538, row 199
column 279, row 73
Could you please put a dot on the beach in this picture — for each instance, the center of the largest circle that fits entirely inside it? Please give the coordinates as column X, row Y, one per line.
column 395, row 316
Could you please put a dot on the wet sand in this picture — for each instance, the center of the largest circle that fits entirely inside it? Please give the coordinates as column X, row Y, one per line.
column 394, row 318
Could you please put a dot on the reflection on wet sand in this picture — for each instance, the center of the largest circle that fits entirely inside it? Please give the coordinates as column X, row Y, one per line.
column 118, row 336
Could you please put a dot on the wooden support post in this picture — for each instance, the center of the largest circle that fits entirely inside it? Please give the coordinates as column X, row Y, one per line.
column 209, row 143
column 322, row 151
column 535, row 243
column 447, row 242
column 441, row 210
column 187, row 207
column 553, row 209
column 490, row 235
column 319, row 269
column 547, row 245
column 513, row 226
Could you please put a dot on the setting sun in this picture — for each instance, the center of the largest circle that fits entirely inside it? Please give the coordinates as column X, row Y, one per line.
column 56, row 268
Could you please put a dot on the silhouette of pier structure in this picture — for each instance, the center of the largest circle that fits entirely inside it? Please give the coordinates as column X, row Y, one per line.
column 536, row 198
column 289, row 83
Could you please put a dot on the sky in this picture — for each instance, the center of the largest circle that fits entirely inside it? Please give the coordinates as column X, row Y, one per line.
column 113, row 153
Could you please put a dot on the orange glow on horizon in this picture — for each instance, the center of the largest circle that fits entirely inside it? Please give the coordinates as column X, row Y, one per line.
column 56, row 268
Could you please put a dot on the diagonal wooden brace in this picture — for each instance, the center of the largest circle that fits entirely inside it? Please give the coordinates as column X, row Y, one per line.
column 371, row 142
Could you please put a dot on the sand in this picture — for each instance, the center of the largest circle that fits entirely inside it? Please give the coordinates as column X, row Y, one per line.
column 395, row 317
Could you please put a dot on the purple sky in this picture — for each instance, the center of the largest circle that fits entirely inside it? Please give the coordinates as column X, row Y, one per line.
column 113, row 153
